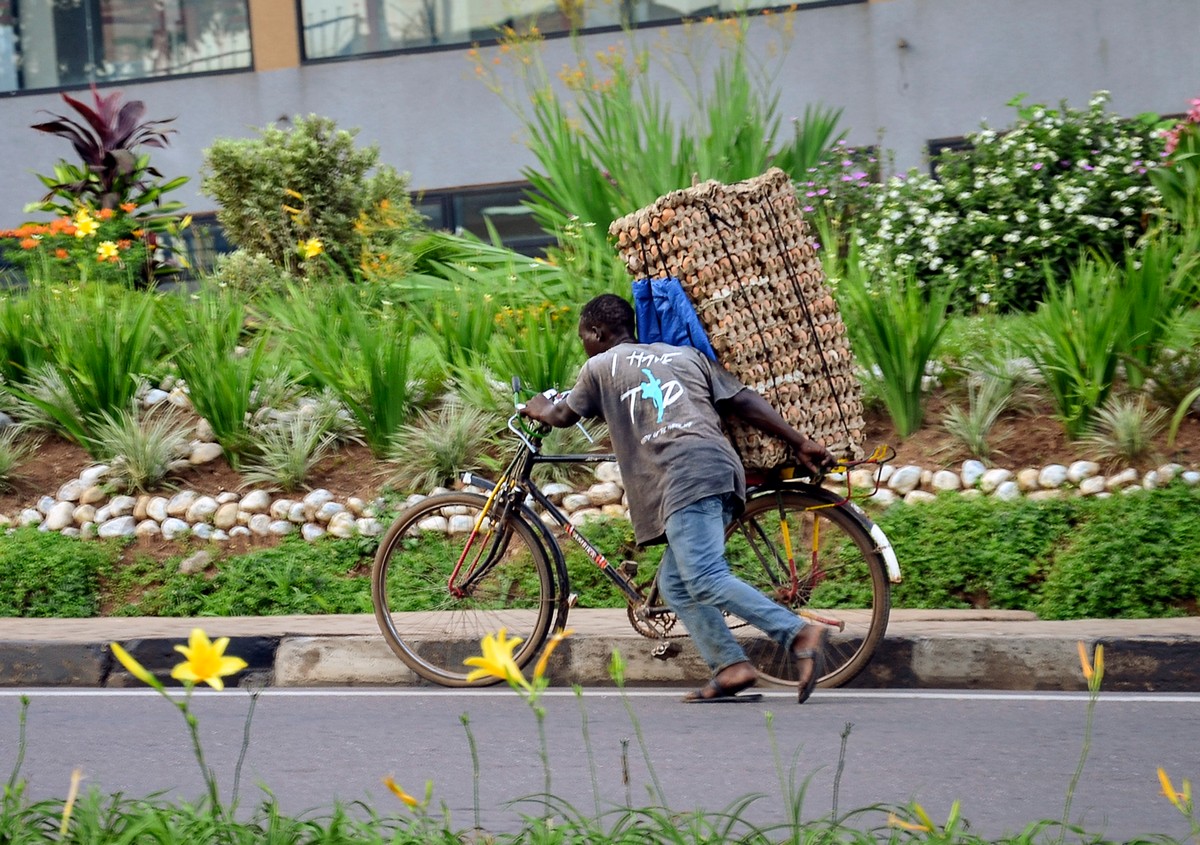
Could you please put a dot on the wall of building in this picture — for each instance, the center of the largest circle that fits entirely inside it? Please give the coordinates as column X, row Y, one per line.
column 905, row 72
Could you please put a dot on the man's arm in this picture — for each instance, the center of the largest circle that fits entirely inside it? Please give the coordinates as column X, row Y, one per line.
column 543, row 410
column 750, row 406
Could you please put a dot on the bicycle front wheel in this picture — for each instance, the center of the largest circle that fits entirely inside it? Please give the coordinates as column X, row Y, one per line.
column 820, row 562
column 439, row 586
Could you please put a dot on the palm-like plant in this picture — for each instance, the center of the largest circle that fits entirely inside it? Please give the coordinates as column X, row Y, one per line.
column 106, row 137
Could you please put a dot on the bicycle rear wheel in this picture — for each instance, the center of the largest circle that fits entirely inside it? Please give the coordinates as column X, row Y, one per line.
column 438, row 587
column 841, row 580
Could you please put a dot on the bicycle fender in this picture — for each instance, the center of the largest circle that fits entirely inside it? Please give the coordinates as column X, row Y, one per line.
column 882, row 544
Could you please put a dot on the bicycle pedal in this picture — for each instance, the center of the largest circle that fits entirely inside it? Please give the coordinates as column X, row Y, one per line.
column 629, row 568
column 572, row 600
column 666, row 650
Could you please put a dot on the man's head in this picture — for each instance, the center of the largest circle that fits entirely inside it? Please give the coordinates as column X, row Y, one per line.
column 604, row 322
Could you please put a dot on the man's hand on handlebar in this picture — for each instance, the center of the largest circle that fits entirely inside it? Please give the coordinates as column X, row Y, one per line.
column 542, row 408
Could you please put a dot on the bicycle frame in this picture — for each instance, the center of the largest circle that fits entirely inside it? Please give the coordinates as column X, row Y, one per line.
column 515, row 487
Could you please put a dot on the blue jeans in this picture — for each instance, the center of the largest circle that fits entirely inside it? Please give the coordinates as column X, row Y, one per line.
column 696, row 583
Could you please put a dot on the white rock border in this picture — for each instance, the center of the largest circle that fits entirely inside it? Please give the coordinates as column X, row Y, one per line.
column 82, row 508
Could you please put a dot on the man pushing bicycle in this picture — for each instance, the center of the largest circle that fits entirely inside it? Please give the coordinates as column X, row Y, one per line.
column 663, row 405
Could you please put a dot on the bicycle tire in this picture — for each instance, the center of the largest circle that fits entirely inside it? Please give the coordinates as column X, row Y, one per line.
column 430, row 628
column 844, row 582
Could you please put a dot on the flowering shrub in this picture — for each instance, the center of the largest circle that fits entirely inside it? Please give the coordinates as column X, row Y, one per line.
column 105, row 245
column 1018, row 204
column 1179, row 179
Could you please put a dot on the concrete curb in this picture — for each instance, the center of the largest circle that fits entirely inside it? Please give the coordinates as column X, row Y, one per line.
column 922, row 650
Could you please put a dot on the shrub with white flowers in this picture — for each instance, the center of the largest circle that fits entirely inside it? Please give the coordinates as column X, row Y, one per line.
column 1014, row 203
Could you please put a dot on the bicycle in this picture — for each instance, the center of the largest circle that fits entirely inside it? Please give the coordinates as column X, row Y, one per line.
column 459, row 565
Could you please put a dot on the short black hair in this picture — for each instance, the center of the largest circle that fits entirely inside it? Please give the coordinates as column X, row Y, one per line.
column 610, row 311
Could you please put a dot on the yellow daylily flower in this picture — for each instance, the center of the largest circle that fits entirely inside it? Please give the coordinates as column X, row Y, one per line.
column 1180, row 800
column 539, row 670
column 400, row 793
column 206, row 661
column 106, row 250
column 1092, row 673
column 132, row 666
column 69, row 804
column 311, row 248
column 895, row 821
column 497, row 660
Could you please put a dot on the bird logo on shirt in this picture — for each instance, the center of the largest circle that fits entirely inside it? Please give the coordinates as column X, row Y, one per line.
column 652, row 390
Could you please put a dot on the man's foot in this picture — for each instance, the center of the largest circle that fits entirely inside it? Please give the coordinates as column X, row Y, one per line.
column 726, row 685
column 809, row 651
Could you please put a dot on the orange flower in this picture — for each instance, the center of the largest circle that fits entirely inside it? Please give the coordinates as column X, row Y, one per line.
column 62, row 224
column 129, row 207
column 105, row 214
column 61, row 253
column 29, row 243
column 124, row 244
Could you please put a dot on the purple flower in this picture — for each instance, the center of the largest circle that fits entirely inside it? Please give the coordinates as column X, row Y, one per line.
column 822, row 192
column 858, row 174
column 807, row 209
column 847, row 163
column 810, row 193
column 847, row 177
column 1037, row 165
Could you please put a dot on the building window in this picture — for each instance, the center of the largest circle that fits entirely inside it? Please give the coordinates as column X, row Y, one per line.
column 62, row 43
column 338, row 28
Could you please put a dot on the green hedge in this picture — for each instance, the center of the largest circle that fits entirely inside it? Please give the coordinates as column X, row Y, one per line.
column 1132, row 556
column 44, row 574
column 1129, row 556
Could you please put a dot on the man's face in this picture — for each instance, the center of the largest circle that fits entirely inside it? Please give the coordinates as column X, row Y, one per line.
column 593, row 341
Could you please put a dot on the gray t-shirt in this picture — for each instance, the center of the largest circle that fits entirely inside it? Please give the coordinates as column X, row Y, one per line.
column 659, row 403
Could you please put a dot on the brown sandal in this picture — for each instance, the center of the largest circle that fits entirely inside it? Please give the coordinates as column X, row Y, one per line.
column 816, row 656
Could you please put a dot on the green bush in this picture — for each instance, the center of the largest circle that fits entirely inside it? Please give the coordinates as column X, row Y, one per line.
column 308, row 182
column 294, row 577
column 1014, row 201
column 959, row 552
column 45, row 575
column 1133, row 557
column 1130, row 556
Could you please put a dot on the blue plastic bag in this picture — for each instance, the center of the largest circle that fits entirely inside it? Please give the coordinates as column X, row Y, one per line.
column 664, row 314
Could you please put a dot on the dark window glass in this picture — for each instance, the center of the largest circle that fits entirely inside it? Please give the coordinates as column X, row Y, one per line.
column 335, row 28
column 60, row 43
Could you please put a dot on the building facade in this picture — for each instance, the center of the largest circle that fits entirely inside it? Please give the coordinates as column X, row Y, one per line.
column 905, row 72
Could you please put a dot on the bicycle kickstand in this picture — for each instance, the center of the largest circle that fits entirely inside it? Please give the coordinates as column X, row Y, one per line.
column 666, row 650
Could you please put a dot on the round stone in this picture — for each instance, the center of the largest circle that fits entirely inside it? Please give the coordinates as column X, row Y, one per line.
column 605, row 493
column 1078, row 471
column 280, row 507
column 972, row 471
column 122, row 526
column 342, row 525
column 575, row 501
column 93, row 474
column 147, row 528
column 311, row 531
column 156, row 509
column 991, row 480
column 226, row 516
column 1027, row 479
column 1052, row 476
column 92, row 495
column 71, row 491
column 83, row 514
column 202, row 509
column 256, row 501
column 1006, row 491
column 202, row 531
column 608, row 472
column 905, row 479
column 1092, row 485
column 327, row 511
column 122, row 505
column 180, row 502
column 916, row 497
column 946, row 480
column 205, row 453
column 60, row 516
column 260, row 525
column 280, row 527
column 369, row 526
column 173, row 528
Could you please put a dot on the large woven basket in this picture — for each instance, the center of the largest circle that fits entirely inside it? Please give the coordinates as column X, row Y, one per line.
column 744, row 256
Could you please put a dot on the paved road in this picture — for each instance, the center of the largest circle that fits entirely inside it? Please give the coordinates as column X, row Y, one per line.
column 1008, row 756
